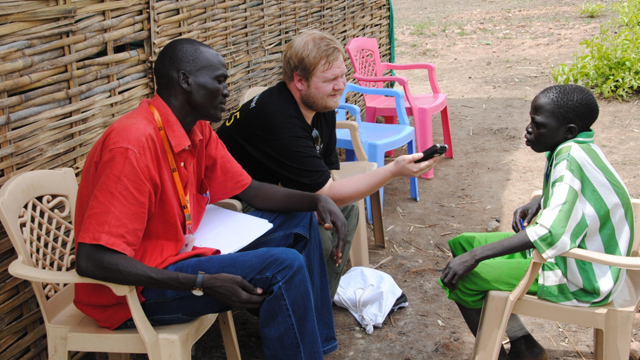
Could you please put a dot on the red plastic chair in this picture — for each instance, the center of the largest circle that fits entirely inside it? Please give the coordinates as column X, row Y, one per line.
column 369, row 71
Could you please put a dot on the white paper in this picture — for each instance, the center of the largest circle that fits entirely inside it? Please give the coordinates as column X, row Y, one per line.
column 227, row 230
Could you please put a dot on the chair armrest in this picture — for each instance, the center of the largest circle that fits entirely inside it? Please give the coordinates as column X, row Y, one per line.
column 529, row 277
column 431, row 72
column 626, row 262
column 536, row 193
column 351, row 108
column 390, row 78
column 20, row 270
column 415, row 66
column 150, row 337
column 353, row 126
column 401, row 111
column 230, row 204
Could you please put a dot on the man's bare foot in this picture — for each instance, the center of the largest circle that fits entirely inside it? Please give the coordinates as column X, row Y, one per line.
column 527, row 348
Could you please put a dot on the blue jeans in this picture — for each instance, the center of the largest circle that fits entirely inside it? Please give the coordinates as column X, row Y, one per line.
column 296, row 320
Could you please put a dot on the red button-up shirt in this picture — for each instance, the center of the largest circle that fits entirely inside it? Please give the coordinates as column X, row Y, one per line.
column 128, row 201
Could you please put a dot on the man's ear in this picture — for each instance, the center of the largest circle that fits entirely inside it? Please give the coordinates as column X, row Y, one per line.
column 299, row 82
column 570, row 131
column 184, row 80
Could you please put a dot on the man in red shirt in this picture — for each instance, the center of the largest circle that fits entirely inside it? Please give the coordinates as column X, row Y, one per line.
column 144, row 188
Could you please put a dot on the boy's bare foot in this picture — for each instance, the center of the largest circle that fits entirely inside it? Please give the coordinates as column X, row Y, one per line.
column 527, row 348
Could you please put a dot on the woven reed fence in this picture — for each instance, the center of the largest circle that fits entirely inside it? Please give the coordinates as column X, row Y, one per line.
column 69, row 68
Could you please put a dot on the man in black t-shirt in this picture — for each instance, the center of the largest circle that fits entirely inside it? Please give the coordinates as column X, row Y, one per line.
column 286, row 135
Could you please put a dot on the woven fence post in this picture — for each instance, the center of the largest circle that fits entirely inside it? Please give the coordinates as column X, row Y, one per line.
column 68, row 69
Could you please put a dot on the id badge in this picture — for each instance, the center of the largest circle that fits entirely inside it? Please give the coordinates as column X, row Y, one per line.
column 189, row 240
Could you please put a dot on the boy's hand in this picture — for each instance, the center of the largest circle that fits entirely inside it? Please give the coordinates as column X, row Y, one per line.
column 525, row 212
column 457, row 268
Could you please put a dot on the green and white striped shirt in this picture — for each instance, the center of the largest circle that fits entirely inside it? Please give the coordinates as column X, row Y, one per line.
column 586, row 205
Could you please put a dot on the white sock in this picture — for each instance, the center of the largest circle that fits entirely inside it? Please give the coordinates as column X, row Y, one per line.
column 515, row 327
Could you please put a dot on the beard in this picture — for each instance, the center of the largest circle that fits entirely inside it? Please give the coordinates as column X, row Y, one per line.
column 317, row 103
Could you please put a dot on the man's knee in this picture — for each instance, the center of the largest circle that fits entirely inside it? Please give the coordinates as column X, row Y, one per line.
column 327, row 240
column 351, row 213
column 284, row 259
column 329, row 237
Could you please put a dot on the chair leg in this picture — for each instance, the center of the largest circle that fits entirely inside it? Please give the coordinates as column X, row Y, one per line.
column 367, row 202
column 390, row 120
column 424, row 134
column 359, row 254
column 617, row 334
column 413, row 184
column 229, row 337
column 413, row 181
column 378, row 223
column 493, row 323
column 57, row 343
column 378, row 158
column 598, row 344
column 446, row 131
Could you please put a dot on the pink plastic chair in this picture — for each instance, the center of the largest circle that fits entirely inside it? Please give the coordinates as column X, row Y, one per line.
column 369, row 71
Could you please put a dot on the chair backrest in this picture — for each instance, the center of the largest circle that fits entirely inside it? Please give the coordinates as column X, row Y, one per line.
column 251, row 92
column 636, row 213
column 403, row 118
column 36, row 210
column 629, row 295
column 365, row 58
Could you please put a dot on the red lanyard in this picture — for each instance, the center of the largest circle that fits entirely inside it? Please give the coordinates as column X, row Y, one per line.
column 174, row 169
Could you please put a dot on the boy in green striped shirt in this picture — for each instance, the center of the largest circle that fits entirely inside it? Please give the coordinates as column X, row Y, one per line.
column 584, row 204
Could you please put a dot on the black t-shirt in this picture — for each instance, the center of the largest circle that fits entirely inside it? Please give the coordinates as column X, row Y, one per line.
column 270, row 138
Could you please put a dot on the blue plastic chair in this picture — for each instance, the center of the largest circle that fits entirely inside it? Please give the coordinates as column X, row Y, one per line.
column 377, row 138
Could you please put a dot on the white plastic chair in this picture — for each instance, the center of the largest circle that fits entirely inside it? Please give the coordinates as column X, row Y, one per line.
column 612, row 323
column 36, row 209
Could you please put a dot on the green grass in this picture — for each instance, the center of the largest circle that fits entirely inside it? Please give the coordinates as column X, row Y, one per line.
column 591, row 10
column 610, row 64
column 418, row 29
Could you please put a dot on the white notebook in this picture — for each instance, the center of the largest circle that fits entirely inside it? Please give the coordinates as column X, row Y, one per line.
column 227, row 230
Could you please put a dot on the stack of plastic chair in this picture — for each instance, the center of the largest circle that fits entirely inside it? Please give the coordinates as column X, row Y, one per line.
column 369, row 71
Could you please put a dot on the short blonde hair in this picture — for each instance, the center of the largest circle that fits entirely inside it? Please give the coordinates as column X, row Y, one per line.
column 307, row 50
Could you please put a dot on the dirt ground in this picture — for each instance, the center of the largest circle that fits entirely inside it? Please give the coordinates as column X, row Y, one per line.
column 492, row 57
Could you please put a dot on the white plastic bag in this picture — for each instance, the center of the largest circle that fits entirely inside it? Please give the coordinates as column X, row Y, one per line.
column 369, row 295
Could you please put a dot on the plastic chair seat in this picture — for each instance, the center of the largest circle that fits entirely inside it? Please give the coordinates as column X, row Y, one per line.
column 385, row 107
column 83, row 334
column 393, row 136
